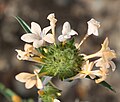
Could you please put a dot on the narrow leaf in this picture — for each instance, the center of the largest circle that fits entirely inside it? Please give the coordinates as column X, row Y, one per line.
column 23, row 24
column 105, row 84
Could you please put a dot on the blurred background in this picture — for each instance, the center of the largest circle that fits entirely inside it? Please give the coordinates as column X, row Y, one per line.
column 77, row 12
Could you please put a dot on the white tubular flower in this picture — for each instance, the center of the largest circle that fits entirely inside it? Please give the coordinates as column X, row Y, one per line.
column 37, row 36
column 67, row 32
column 56, row 100
column 30, row 79
column 93, row 26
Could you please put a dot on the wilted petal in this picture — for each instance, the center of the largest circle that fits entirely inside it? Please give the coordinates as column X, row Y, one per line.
column 38, row 43
column 23, row 77
column 35, row 28
column 30, row 82
column 49, row 38
column 29, row 37
column 21, row 55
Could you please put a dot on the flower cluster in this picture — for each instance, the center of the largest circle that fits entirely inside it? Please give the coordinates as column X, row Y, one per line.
column 63, row 59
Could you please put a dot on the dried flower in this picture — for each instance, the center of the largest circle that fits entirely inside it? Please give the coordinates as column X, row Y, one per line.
column 37, row 36
column 106, row 55
column 28, row 54
column 86, row 70
column 102, row 74
column 52, row 19
column 67, row 32
column 30, row 79
column 93, row 26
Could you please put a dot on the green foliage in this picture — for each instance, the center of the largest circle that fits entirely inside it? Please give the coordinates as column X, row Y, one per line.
column 61, row 60
column 23, row 24
column 9, row 94
column 105, row 84
column 49, row 93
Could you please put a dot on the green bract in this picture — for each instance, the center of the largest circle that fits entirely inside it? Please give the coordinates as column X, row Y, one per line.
column 61, row 60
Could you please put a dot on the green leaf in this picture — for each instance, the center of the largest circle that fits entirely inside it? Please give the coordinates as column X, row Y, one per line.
column 23, row 24
column 105, row 84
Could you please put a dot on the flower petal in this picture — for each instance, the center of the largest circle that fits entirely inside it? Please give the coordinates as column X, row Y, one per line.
column 45, row 30
column 31, row 82
column 49, row 38
column 29, row 37
column 46, row 80
column 66, row 28
column 93, row 26
column 61, row 38
column 113, row 66
column 56, row 100
column 35, row 28
column 39, row 83
column 73, row 32
column 23, row 77
column 38, row 43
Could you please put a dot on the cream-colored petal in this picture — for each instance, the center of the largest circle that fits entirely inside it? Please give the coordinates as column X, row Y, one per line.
column 49, row 38
column 29, row 37
column 92, row 76
column 90, row 66
column 100, row 79
column 39, row 83
column 31, row 82
column 27, row 46
column 38, row 43
column 113, row 66
column 83, row 75
column 23, row 77
column 35, row 28
column 105, row 43
column 21, row 55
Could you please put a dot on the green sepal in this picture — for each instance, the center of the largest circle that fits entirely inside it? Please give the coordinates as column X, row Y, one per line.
column 23, row 24
column 49, row 93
